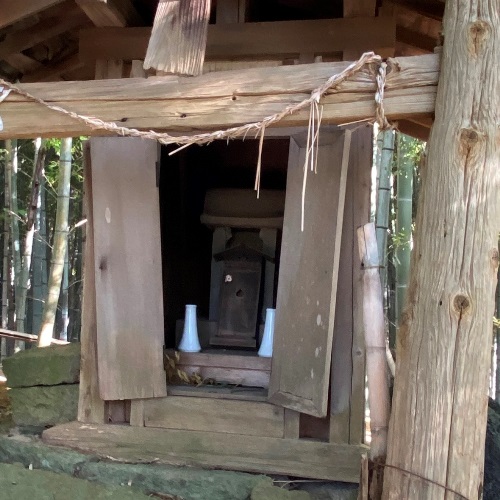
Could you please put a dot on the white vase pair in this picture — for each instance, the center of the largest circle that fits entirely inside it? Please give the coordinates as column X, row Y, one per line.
column 191, row 343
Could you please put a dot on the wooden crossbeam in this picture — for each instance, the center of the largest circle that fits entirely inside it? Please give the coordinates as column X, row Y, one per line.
column 53, row 72
column 221, row 100
column 322, row 36
column 111, row 12
column 13, row 11
column 46, row 29
column 27, row 337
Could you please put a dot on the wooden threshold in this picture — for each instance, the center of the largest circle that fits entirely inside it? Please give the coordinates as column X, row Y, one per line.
column 219, row 392
column 214, row 450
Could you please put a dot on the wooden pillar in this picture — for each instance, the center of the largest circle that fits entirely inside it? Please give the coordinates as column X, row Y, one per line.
column 438, row 423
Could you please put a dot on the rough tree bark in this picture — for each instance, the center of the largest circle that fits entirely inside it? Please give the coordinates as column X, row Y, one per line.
column 59, row 246
column 438, row 424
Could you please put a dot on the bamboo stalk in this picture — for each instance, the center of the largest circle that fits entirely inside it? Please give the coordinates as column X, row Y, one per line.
column 402, row 251
column 374, row 329
column 28, row 240
column 59, row 246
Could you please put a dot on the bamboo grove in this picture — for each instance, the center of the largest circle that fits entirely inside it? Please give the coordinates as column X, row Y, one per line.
column 40, row 193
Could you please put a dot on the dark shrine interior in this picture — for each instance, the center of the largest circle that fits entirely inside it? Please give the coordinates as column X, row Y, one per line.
column 184, row 180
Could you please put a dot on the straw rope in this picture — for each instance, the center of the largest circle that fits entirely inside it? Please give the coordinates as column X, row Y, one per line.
column 230, row 133
column 258, row 128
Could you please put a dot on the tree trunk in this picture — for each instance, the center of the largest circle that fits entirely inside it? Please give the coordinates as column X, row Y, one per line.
column 12, row 167
column 28, row 240
column 59, row 246
column 438, row 425
column 402, row 251
column 65, row 299
column 39, row 288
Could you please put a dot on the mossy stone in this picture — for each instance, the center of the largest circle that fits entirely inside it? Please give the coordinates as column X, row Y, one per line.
column 53, row 365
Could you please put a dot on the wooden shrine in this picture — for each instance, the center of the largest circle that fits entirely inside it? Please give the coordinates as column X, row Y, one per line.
column 152, row 245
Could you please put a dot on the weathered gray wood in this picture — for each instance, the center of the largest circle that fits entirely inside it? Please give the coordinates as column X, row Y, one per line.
column 292, row 424
column 305, row 309
column 130, row 331
column 295, row 457
column 179, row 37
column 444, row 341
column 375, row 341
column 215, row 415
column 256, row 40
column 221, row 99
column 90, row 405
column 361, row 163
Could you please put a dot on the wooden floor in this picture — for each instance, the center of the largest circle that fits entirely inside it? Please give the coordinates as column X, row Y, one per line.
column 293, row 457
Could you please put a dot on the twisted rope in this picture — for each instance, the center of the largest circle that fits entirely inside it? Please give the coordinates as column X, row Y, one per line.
column 230, row 133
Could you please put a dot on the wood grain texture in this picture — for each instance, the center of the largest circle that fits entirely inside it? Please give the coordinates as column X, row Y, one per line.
column 111, row 12
column 221, row 99
column 295, row 457
column 215, row 415
column 51, row 26
column 130, row 332
column 441, row 382
column 90, row 405
column 14, row 10
column 307, row 287
column 179, row 36
column 320, row 36
column 361, row 163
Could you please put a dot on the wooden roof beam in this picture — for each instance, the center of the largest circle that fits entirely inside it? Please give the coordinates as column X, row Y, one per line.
column 224, row 41
column 54, row 71
column 47, row 28
column 221, row 100
column 118, row 13
column 14, row 11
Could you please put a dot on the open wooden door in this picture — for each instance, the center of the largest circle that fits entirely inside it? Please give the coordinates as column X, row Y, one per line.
column 307, row 286
column 128, row 278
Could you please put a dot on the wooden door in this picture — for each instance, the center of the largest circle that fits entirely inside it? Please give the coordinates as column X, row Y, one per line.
column 307, row 286
column 128, row 278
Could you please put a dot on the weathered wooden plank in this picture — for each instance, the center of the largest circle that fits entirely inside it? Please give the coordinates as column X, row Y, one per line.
column 90, row 405
column 111, row 12
column 49, row 27
column 178, row 38
column 361, row 163
column 295, row 457
column 223, row 99
column 305, row 308
column 219, row 392
column 320, row 36
column 14, row 10
column 130, row 334
column 292, row 424
column 53, row 72
column 215, row 415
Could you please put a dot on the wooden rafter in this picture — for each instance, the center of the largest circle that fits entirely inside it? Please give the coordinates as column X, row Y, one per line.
column 221, row 100
column 13, row 11
column 53, row 72
column 251, row 39
column 46, row 29
column 111, row 12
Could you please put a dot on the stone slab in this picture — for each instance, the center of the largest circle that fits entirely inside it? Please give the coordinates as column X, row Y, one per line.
column 44, row 406
column 18, row 483
column 188, row 483
column 54, row 365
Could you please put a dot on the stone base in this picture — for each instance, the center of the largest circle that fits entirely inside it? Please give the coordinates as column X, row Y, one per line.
column 54, row 365
column 44, row 405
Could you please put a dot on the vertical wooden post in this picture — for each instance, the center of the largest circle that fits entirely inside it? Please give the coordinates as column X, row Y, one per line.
column 438, row 424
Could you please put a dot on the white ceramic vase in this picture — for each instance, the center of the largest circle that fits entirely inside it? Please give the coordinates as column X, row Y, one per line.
column 266, row 346
column 190, row 341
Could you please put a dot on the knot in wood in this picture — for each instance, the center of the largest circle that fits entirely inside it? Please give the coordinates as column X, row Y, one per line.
column 494, row 257
column 471, row 141
column 461, row 304
column 478, row 34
